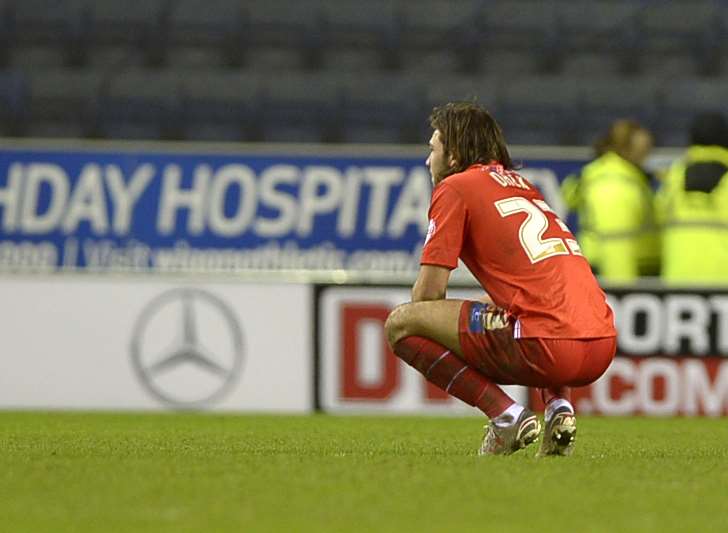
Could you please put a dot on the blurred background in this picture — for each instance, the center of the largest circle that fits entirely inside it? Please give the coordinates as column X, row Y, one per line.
column 139, row 273
column 554, row 72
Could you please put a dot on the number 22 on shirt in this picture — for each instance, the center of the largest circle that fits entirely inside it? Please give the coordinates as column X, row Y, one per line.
column 534, row 226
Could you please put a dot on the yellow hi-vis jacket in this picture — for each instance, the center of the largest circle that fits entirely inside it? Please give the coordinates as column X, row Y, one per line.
column 692, row 207
column 617, row 232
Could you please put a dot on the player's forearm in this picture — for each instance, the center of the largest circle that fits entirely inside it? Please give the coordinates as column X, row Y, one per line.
column 431, row 283
column 423, row 293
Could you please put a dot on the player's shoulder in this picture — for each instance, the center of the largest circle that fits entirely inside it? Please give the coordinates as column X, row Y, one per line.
column 476, row 175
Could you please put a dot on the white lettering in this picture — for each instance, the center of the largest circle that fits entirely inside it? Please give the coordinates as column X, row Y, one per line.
column 10, row 197
column 628, row 309
column 547, row 182
column 687, row 388
column 346, row 223
column 70, row 254
column 649, row 371
column 623, row 369
column 509, row 179
column 720, row 306
column 499, row 178
column 700, row 392
column 686, row 316
column 124, row 198
column 311, row 202
column 282, row 201
column 28, row 256
column 381, row 180
column 87, row 202
column 105, row 255
column 411, row 207
column 174, row 198
column 38, row 174
column 227, row 176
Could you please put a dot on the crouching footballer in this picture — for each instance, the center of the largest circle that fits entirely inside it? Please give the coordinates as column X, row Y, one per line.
column 545, row 322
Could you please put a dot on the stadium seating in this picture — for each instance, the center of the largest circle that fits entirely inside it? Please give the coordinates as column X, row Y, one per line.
column 352, row 71
column 63, row 101
column 14, row 103
column 222, row 106
column 208, row 33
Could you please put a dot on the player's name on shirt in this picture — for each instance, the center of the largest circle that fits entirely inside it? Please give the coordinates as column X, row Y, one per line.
column 509, row 179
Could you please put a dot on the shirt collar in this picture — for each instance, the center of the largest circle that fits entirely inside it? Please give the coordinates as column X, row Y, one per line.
column 492, row 163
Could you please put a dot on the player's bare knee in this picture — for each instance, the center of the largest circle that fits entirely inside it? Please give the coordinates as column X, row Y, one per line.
column 396, row 325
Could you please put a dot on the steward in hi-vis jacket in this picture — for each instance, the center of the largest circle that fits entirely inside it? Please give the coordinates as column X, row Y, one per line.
column 692, row 207
column 614, row 200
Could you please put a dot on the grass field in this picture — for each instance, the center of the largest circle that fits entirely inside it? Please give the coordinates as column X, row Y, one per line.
column 176, row 473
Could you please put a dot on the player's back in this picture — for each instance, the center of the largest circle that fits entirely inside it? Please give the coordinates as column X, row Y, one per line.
column 526, row 258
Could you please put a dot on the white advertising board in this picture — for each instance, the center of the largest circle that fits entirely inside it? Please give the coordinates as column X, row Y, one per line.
column 358, row 372
column 144, row 344
column 659, row 386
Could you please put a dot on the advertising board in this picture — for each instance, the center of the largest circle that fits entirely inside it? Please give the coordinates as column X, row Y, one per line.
column 197, row 210
column 358, row 371
column 118, row 343
column 672, row 356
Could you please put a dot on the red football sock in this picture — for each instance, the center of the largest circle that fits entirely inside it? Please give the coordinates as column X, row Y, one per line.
column 551, row 394
column 446, row 370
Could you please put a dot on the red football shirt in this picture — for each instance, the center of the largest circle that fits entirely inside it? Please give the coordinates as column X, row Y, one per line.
column 522, row 254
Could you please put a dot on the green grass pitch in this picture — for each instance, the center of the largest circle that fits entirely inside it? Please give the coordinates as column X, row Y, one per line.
column 80, row 472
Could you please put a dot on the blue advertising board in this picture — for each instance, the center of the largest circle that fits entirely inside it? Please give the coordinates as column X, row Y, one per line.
column 171, row 211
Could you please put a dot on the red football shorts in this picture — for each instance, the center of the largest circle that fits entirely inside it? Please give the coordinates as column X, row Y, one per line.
column 488, row 344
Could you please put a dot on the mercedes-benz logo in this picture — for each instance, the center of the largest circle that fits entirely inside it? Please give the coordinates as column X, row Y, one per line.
column 187, row 348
